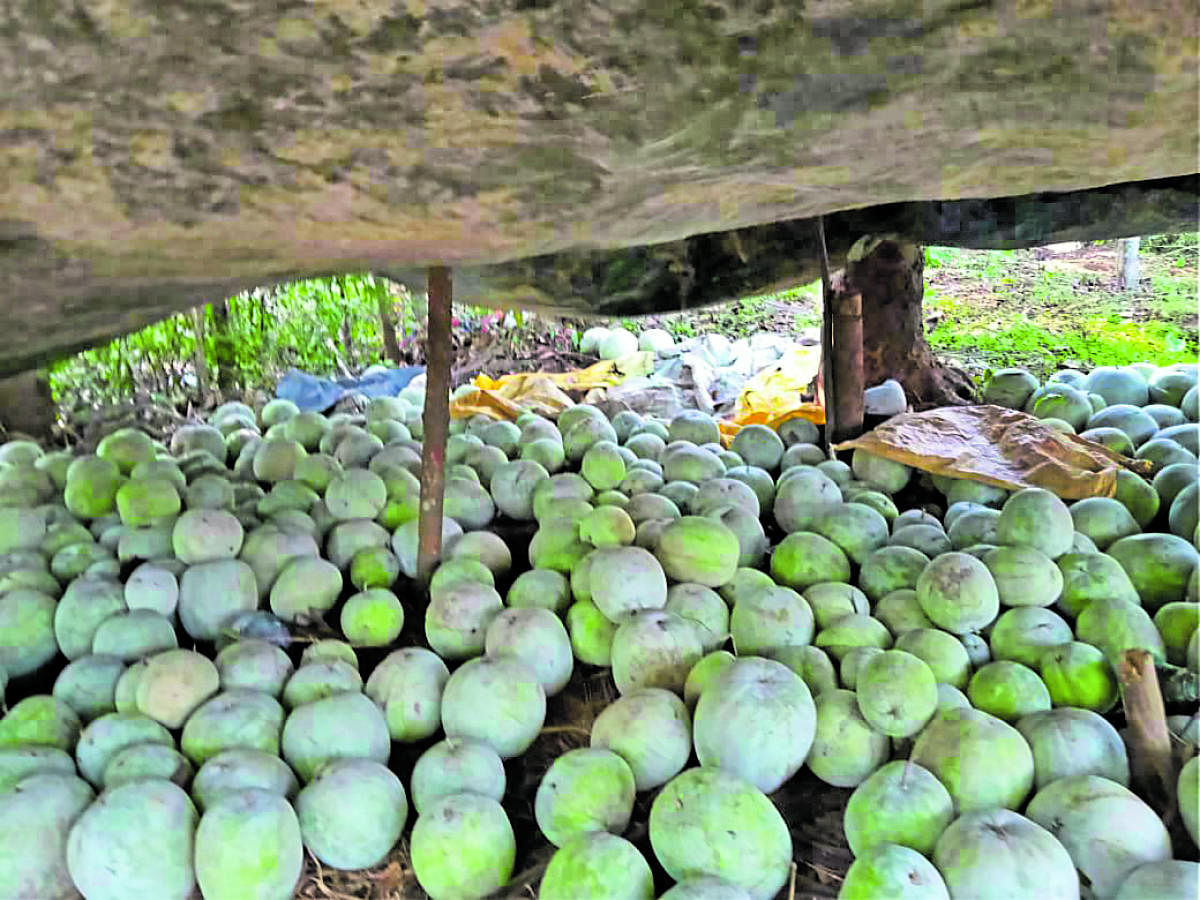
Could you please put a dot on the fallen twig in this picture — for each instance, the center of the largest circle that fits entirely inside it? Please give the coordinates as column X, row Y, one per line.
column 560, row 729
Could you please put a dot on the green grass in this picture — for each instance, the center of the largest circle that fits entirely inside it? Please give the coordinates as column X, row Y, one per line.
column 1091, row 340
column 991, row 309
column 984, row 263
column 807, row 292
column 1174, row 297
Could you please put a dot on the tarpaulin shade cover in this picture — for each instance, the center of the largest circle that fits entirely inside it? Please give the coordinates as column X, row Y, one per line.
column 613, row 159
column 1000, row 447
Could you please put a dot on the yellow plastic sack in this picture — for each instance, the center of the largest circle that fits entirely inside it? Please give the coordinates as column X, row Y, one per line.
column 544, row 393
column 530, row 392
column 773, row 395
column 997, row 446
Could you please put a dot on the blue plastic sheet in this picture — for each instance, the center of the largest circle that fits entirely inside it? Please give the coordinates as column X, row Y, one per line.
column 313, row 394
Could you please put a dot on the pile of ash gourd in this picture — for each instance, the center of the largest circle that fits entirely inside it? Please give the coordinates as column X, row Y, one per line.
column 216, row 659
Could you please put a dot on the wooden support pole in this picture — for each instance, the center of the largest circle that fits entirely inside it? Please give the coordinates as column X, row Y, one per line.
column 847, row 327
column 825, row 381
column 436, row 421
column 1131, row 271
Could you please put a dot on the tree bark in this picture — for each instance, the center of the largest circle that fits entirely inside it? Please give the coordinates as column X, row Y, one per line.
column 344, row 332
column 223, row 343
column 889, row 274
column 200, row 356
column 387, row 323
column 27, row 406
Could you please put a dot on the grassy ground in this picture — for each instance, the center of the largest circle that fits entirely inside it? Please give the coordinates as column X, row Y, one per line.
column 990, row 309
column 793, row 311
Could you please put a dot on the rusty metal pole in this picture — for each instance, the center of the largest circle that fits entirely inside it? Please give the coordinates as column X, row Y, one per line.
column 826, row 392
column 848, row 375
column 436, row 421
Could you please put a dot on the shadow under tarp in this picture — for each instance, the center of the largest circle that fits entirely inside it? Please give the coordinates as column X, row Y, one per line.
column 1000, row 447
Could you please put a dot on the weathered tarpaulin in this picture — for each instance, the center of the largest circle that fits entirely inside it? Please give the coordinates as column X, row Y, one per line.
column 617, row 156
column 997, row 446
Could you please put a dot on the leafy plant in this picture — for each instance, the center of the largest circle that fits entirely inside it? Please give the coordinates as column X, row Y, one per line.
column 264, row 332
column 1045, row 342
column 681, row 328
column 987, row 263
column 1172, row 244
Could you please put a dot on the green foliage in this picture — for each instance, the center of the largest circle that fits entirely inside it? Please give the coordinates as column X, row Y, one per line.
column 266, row 332
column 808, row 319
column 1175, row 297
column 1187, row 242
column 157, row 359
column 1046, row 344
column 986, row 264
column 999, row 308
column 681, row 328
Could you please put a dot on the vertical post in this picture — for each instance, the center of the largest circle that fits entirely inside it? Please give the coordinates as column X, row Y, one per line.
column 26, row 405
column 825, row 378
column 436, row 421
column 848, row 364
column 1130, row 270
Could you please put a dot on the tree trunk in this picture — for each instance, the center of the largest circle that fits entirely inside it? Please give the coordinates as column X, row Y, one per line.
column 348, row 341
column 344, row 332
column 27, row 406
column 889, row 274
column 223, row 341
column 200, row 357
column 387, row 324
